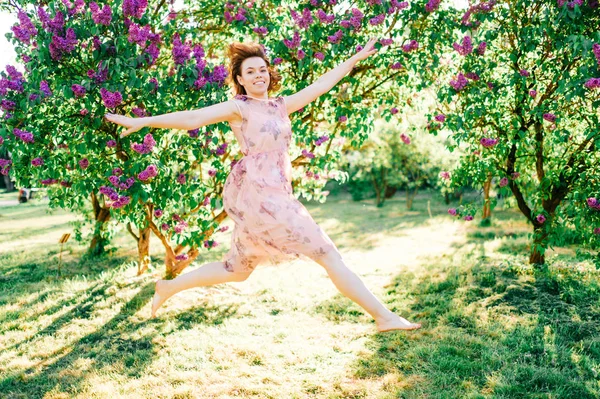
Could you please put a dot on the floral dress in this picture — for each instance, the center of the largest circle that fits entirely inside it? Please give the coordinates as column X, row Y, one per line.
column 270, row 223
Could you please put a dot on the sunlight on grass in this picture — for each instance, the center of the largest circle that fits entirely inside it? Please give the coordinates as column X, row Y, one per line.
column 492, row 325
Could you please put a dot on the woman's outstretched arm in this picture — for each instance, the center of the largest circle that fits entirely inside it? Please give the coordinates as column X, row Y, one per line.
column 328, row 80
column 184, row 120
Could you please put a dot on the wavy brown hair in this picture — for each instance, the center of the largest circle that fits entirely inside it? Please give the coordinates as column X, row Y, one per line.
column 237, row 53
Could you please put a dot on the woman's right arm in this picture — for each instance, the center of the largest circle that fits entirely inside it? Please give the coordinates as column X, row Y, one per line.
column 184, row 120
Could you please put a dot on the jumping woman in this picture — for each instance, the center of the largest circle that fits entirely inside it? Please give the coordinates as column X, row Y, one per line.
column 270, row 223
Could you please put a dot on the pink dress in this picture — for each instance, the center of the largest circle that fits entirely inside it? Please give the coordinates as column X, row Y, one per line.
column 270, row 223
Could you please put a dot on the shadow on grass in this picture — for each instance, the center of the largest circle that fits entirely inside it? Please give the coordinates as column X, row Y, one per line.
column 27, row 233
column 470, row 344
column 33, row 267
column 124, row 345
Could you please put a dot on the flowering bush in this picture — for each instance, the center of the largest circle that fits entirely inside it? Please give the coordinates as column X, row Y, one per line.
column 524, row 106
column 142, row 58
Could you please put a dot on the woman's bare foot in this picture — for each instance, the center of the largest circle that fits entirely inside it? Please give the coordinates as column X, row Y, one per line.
column 395, row 322
column 160, row 295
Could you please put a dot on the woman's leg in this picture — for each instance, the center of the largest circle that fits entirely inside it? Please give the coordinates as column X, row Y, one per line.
column 208, row 274
column 350, row 285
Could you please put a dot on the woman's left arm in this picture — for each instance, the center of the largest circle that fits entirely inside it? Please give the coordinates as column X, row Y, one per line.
column 327, row 81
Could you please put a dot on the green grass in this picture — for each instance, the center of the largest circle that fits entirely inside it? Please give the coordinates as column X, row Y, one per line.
column 493, row 327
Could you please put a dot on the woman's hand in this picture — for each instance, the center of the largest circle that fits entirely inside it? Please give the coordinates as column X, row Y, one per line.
column 133, row 124
column 368, row 50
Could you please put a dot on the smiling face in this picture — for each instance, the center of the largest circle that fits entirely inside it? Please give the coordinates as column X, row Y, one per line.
column 255, row 77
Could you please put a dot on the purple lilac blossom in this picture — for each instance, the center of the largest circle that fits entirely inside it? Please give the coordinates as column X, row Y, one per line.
column 7, row 105
column 294, row 43
column 377, row 20
column 181, row 52
column 335, row 38
column 432, row 5
column 99, row 76
column 411, row 46
column 101, row 16
column 321, row 140
column 465, row 48
column 308, row 154
column 140, row 112
column 23, row 135
column 325, row 18
column 596, row 51
column 61, row 46
column 78, row 90
column 134, row 8
column 593, row 83
column 25, row 30
column 488, row 142
column 481, row 48
column 459, row 83
column 261, row 30
column 45, row 89
column 111, row 100
column 138, row 34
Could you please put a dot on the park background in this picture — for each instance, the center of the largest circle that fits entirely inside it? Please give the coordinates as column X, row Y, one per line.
column 495, row 323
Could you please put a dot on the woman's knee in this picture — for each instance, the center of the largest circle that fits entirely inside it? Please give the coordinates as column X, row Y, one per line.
column 329, row 260
column 240, row 276
column 238, row 271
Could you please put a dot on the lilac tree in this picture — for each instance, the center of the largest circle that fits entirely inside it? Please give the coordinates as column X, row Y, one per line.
column 141, row 58
column 523, row 101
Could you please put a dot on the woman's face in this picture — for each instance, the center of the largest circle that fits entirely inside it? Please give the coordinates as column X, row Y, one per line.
column 255, row 77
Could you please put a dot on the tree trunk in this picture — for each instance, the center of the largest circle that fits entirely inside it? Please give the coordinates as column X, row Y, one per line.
column 175, row 267
column 144, row 251
column 9, row 184
column 143, row 243
column 410, row 197
column 101, row 217
column 390, row 191
column 487, row 209
column 539, row 245
column 379, row 189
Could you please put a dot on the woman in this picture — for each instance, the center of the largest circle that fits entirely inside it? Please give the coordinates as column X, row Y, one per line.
column 270, row 223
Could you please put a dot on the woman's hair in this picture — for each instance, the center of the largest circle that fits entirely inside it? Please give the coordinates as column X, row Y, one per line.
column 237, row 53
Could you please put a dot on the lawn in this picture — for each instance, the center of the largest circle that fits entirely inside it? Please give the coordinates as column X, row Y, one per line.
column 493, row 327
